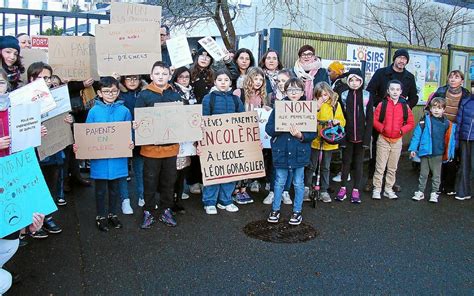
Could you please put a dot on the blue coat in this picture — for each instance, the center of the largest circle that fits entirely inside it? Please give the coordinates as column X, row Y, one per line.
column 109, row 168
column 465, row 120
column 129, row 98
column 287, row 151
column 223, row 103
column 421, row 142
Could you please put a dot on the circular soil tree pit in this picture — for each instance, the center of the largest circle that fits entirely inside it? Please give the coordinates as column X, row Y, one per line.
column 280, row 232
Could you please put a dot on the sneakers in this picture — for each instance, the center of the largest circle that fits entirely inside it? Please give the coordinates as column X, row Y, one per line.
column 324, row 197
column 418, row 196
column 101, row 223
column 451, row 193
column 462, row 197
column 61, row 201
column 51, row 227
column 267, row 186
column 274, row 217
column 126, row 208
column 195, row 188
column 355, row 197
column 242, row 198
column 306, row 194
column 210, row 210
column 141, row 202
column 376, row 194
column 247, row 197
column 434, row 197
column 40, row 234
column 338, row 178
column 295, row 218
column 148, row 220
column 185, row 196
column 390, row 194
column 255, row 186
column 114, row 221
column 269, row 199
column 229, row 208
column 286, row 198
column 342, row 194
column 167, row 218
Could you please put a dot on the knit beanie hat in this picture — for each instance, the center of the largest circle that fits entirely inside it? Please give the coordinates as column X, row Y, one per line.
column 9, row 42
column 336, row 67
column 201, row 51
column 401, row 52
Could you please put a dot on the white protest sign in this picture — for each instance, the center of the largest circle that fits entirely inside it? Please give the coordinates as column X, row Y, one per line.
column 132, row 13
column 25, row 126
column 211, row 46
column 63, row 102
column 186, row 149
column 301, row 114
column 178, row 49
column 263, row 116
column 34, row 92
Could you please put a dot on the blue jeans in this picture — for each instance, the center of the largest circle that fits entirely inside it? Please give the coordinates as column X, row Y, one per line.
column 123, row 188
column 221, row 193
column 298, row 182
column 137, row 164
column 287, row 184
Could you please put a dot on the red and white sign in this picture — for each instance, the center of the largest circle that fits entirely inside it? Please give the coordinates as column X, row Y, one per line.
column 39, row 42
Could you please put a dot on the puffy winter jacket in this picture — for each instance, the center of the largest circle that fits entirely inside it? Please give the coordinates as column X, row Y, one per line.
column 109, row 168
column 465, row 120
column 223, row 102
column 325, row 114
column 422, row 140
column 392, row 127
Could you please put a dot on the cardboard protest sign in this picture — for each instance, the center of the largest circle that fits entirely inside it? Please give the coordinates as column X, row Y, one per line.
column 39, row 42
column 36, row 92
column 178, row 49
column 211, row 46
column 263, row 116
column 301, row 114
column 131, row 13
column 127, row 50
column 73, row 57
column 23, row 191
column 186, row 149
column 25, row 127
column 30, row 56
column 230, row 148
column 168, row 124
column 62, row 100
column 59, row 136
column 103, row 140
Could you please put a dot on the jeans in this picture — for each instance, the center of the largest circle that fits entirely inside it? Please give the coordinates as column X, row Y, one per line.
column 159, row 174
column 123, row 188
column 221, row 193
column 353, row 153
column 323, row 170
column 137, row 164
column 8, row 248
column 464, row 179
column 100, row 192
column 298, row 183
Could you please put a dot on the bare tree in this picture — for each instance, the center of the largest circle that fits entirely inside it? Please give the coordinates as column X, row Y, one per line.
column 418, row 22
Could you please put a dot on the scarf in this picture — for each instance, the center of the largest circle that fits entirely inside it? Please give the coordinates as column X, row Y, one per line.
column 456, row 90
column 301, row 72
column 272, row 76
column 187, row 94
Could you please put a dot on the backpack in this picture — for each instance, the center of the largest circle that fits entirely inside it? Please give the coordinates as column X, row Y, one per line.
column 365, row 99
column 384, row 110
column 212, row 102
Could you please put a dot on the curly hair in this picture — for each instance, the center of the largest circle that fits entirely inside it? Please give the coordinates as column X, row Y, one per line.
column 325, row 87
column 248, row 85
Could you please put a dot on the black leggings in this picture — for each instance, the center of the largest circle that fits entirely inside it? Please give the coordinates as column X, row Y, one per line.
column 352, row 155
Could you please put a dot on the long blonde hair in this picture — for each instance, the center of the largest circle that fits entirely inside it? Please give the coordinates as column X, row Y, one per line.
column 248, row 84
column 324, row 87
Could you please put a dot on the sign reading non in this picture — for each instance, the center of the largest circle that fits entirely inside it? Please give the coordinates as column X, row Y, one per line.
column 300, row 114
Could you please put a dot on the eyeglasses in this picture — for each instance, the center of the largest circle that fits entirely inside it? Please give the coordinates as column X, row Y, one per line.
column 132, row 79
column 307, row 55
column 183, row 77
column 294, row 90
column 110, row 92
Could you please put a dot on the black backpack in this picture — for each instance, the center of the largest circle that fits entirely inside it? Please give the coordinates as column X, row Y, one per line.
column 384, row 110
column 212, row 102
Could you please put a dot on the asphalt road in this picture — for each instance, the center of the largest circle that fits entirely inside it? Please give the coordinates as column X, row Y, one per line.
column 378, row 247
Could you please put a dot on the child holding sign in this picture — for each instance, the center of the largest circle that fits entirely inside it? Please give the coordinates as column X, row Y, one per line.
column 291, row 151
column 220, row 101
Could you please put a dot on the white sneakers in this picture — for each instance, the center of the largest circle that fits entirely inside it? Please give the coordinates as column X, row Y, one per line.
column 195, row 188
column 337, row 178
column 126, row 208
column 269, row 199
column 286, row 198
column 462, row 197
column 255, row 187
column 185, row 196
column 229, row 208
column 210, row 210
column 376, row 194
column 418, row 196
column 390, row 194
column 434, row 197
column 141, row 202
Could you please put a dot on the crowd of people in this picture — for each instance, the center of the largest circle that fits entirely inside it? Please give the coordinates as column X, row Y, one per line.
column 374, row 118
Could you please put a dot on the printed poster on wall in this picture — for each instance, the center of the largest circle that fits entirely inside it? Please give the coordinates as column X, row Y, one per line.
column 459, row 62
column 426, row 67
column 374, row 58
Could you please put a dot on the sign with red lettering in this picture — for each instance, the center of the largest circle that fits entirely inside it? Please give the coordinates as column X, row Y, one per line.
column 230, row 148
column 39, row 42
column 300, row 114
column 103, row 140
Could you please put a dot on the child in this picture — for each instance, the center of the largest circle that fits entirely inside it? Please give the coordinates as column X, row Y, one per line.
column 11, row 62
column 329, row 112
column 464, row 139
column 433, row 142
column 220, row 101
column 107, row 172
column 358, row 111
column 293, row 155
column 392, row 119
column 159, row 166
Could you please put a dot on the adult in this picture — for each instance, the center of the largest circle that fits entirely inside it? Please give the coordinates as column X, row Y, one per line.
column 24, row 40
column 243, row 59
column 377, row 88
column 271, row 65
column 309, row 69
column 165, row 35
column 11, row 62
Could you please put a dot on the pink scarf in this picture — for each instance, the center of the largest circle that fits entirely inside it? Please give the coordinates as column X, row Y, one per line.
column 300, row 71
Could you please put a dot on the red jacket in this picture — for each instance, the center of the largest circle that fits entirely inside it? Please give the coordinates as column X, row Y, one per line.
column 392, row 126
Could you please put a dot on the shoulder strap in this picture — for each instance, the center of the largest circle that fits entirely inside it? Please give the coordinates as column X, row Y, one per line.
column 383, row 110
column 405, row 112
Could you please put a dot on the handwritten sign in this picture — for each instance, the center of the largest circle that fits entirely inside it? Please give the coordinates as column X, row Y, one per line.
column 30, row 56
column 103, row 140
column 23, row 191
column 168, row 124
column 263, row 116
column 178, row 49
column 59, row 136
column 25, row 126
column 230, row 148
column 36, row 92
column 127, row 50
column 211, row 46
column 186, row 149
column 62, row 100
column 131, row 13
column 73, row 57
column 301, row 114
column 39, row 42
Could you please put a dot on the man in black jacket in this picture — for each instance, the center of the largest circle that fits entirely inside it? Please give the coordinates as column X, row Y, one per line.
column 378, row 91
